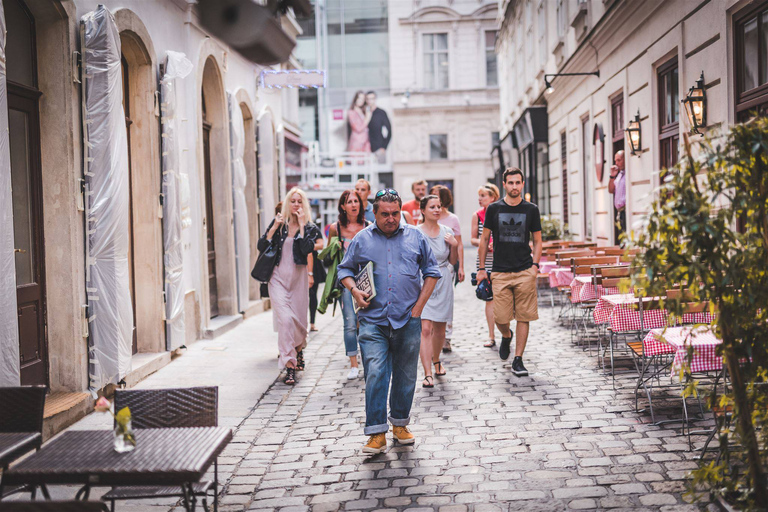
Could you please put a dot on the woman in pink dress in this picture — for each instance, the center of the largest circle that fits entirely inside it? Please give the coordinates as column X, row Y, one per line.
column 359, row 116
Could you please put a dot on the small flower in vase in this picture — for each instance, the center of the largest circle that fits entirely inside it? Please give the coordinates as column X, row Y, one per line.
column 124, row 439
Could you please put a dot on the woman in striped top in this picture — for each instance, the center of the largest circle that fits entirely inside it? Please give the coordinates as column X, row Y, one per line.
column 486, row 195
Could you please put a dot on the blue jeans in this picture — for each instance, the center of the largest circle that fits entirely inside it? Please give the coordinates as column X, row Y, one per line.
column 389, row 354
column 350, row 322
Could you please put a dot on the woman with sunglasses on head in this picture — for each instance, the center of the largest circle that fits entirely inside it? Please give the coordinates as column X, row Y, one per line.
column 439, row 308
column 291, row 278
column 450, row 220
column 351, row 222
column 486, row 195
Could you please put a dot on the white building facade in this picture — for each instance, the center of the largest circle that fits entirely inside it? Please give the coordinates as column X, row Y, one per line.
column 648, row 54
column 222, row 117
column 444, row 85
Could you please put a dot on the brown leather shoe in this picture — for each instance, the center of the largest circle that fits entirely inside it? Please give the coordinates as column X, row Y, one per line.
column 377, row 443
column 403, row 435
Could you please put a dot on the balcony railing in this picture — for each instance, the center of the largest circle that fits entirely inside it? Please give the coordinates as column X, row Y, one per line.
column 325, row 173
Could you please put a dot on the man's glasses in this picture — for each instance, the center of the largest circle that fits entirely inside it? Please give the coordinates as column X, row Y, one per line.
column 387, row 192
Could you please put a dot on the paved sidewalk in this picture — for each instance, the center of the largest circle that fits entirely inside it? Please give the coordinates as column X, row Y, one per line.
column 486, row 440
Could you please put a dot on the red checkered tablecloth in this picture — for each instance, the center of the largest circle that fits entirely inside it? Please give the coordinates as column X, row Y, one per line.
column 617, row 310
column 678, row 340
column 546, row 266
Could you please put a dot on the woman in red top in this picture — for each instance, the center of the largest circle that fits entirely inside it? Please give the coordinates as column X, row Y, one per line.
column 486, row 195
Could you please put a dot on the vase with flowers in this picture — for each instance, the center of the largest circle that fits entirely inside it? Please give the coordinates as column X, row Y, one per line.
column 123, row 433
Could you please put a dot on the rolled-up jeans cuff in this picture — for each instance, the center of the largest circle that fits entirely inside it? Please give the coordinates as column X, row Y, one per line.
column 352, row 353
column 399, row 423
column 376, row 429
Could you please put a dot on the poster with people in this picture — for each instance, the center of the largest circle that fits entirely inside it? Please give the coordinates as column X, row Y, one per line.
column 369, row 128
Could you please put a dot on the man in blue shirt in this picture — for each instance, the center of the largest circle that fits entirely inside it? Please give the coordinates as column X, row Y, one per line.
column 390, row 323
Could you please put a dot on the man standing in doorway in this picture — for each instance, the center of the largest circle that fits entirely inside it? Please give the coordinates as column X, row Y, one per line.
column 363, row 188
column 390, row 321
column 618, row 187
column 379, row 128
column 511, row 221
column 419, row 189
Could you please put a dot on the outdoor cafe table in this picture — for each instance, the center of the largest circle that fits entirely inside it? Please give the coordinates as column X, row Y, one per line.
column 676, row 340
column 560, row 276
column 583, row 290
column 621, row 313
column 162, row 457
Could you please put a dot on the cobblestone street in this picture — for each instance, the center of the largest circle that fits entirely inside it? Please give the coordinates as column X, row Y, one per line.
column 486, row 440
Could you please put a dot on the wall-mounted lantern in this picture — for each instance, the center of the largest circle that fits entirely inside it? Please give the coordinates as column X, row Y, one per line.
column 632, row 133
column 696, row 105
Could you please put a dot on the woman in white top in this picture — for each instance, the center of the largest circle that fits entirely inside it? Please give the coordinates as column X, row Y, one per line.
column 439, row 308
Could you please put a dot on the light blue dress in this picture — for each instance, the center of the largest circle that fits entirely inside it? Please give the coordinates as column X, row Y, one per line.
column 439, row 307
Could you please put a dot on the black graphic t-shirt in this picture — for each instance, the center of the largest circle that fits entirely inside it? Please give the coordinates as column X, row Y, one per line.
column 512, row 227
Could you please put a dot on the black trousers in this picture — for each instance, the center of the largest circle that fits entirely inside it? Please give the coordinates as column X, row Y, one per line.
column 313, row 302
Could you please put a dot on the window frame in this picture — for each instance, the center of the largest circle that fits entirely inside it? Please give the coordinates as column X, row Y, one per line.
column 757, row 96
column 669, row 134
column 433, row 55
column 564, row 164
column 487, row 50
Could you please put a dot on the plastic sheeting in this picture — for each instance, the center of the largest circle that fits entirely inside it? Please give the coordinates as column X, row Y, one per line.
column 176, row 68
column 242, row 240
column 110, row 313
column 9, row 322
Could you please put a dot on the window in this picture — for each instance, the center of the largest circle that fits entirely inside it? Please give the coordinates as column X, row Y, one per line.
column 751, row 47
column 669, row 116
column 562, row 14
column 543, row 33
column 438, row 146
column 564, row 163
column 494, row 139
column 491, row 70
column 436, row 61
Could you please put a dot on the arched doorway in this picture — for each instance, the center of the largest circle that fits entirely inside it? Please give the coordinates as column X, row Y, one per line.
column 145, row 247
column 26, row 180
column 217, row 194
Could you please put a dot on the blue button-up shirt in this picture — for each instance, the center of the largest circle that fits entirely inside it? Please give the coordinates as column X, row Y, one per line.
column 397, row 261
column 369, row 215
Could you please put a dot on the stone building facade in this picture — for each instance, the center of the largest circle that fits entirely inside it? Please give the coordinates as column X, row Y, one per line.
column 445, row 96
column 649, row 54
column 46, row 130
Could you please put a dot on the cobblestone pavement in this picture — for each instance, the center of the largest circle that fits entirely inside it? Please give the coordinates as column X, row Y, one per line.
column 561, row 439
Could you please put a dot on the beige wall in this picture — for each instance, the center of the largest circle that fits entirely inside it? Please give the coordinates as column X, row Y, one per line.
column 627, row 47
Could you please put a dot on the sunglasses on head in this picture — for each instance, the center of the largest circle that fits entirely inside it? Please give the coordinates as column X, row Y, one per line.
column 387, row 192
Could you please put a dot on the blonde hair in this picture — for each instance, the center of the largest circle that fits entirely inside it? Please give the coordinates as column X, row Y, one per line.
column 304, row 204
column 491, row 189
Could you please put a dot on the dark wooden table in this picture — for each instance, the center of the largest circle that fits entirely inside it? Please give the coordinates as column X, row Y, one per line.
column 163, row 457
column 15, row 444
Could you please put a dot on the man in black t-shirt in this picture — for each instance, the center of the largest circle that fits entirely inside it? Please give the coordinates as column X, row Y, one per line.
column 512, row 220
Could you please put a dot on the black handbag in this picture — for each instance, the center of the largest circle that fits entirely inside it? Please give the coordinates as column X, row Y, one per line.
column 265, row 263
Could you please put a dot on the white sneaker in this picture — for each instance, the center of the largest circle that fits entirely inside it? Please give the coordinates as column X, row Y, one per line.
column 354, row 372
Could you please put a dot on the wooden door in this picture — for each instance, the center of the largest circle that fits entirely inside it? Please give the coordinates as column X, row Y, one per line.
column 26, row 179
column 131, row 263
column 213, row 292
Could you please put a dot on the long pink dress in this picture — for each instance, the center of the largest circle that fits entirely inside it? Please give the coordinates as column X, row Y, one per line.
column 359, row 142
column 289, row 295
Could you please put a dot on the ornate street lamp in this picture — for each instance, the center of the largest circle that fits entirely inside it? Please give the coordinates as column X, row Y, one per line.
column 632, row 132
column 696, row 105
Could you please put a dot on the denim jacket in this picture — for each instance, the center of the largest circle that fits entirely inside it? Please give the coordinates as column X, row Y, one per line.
column 302, row 247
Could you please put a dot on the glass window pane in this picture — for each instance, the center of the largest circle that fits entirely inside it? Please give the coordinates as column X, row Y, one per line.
column 674, row 97
column 441, row 41
column 490, row 39
column 21, row 182
column 442, row 70
column 19, row 45
column 438, row 146
column 749, row 73
column 428, row 42
column 429, row 71
column 764, row 49
column 491, row 73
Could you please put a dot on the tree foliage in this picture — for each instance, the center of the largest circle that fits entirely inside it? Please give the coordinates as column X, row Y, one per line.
column 708, row 231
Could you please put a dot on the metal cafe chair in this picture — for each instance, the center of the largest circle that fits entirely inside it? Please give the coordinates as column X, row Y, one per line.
column 169, row 408
column 21, row 429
